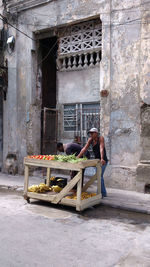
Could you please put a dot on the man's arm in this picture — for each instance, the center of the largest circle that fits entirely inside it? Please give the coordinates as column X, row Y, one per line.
column 101, row 147
column 85, row 148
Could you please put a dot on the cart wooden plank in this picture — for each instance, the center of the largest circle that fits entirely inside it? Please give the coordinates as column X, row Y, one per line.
column 98, row 179
column 40, row 196
column 79, row 191
column 85, row 203
column 26, row 181
column 48, row 176
column 67, row 188
column 65, row 201
column 61, row 165
column 68, row 202
column 89, row 202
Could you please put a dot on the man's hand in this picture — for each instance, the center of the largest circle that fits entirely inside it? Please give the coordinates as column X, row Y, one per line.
column 103, row 162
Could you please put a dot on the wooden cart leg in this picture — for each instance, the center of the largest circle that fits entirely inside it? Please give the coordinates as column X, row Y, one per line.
column 48, row 176
column 26, row 198
column 98, row 179
column 26, row 182
column 79, row 191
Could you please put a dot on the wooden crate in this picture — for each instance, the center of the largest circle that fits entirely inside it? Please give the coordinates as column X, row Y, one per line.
column 60, row 198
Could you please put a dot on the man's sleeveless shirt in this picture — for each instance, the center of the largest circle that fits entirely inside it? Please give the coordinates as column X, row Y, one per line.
column 96, row 151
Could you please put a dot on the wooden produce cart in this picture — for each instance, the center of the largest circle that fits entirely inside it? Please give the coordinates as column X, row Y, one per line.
column 60, row 198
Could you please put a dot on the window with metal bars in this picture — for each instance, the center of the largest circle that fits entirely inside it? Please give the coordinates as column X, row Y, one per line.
column 81, row 117
column 70, row 117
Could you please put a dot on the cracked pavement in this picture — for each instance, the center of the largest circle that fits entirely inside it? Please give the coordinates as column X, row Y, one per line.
column 42, row 234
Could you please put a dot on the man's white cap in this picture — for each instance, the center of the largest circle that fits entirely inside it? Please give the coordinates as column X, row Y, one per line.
column 93, row 130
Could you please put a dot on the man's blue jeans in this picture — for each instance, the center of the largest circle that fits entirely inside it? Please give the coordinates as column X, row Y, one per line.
column 103, row 189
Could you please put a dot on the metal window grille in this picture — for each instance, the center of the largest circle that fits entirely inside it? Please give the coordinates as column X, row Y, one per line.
column 70, row 117
column 79, row 118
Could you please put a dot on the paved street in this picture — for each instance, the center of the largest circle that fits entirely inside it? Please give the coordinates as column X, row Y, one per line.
column 41, row 234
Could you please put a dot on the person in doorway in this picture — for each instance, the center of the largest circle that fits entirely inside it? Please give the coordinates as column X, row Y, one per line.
column 70, row 149
column 99, row 151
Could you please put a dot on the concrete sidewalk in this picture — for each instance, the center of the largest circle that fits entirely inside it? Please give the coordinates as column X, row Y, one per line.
column 127, row 200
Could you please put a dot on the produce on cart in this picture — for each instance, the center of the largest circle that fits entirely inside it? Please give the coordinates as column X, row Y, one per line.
column 62, row 158
column 84, row 195
column 41, row 188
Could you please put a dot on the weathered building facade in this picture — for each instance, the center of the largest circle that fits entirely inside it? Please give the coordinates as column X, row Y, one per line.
column 1, row 89
column 77, row 64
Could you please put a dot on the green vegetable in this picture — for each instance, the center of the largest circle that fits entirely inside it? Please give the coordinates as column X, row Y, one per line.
column 69, row 158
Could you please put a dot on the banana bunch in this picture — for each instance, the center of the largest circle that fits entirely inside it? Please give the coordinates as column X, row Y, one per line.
column 41, row 188
column 56, row 188
column 84, row 195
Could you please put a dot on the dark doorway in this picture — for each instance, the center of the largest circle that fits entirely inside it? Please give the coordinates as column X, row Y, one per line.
column 1, row 129
column 48, row 48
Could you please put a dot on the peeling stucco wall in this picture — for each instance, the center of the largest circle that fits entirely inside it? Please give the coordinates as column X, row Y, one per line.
column 23, row 88
column 145, row 53
column 145, row 132
column 80, row 86
column 123, row 74
column 1, row 98
column 120, row 110
column 143, row 168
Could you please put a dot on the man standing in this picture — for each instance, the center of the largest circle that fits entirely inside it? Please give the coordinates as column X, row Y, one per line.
column 99, row 151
